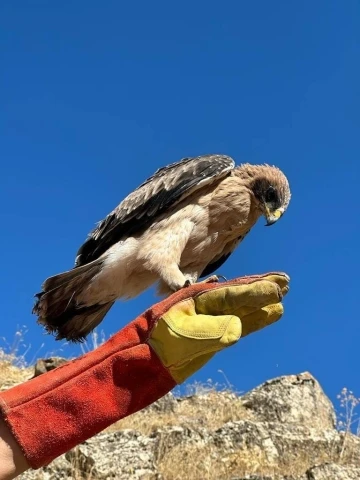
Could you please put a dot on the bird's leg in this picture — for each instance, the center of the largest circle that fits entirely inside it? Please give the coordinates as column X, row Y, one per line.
column 172, row 279
column 172, row 276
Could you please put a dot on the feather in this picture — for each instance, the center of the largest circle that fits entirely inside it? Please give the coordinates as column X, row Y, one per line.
column 168, row 186
column 181, row 224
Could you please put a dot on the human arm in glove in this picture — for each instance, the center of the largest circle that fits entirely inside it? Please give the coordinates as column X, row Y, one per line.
column 50, row 414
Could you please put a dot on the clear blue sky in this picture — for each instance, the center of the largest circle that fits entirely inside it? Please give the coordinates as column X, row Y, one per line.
column 97, row 95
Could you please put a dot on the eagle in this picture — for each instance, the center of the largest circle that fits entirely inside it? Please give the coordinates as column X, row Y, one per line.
column 180, row 225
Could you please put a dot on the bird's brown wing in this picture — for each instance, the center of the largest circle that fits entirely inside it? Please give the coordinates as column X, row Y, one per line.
column 168, row 186
column 220, row 259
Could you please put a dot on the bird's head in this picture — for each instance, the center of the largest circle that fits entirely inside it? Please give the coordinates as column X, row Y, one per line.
column 272, row 191
column 270, row 188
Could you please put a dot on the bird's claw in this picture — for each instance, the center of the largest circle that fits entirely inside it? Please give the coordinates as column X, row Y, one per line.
column 213, row 279
column 222, row 276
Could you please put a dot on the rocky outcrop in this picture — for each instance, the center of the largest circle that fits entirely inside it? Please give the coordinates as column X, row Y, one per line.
column 332, row 471
column 44, row 365
column 285, row 429
column 295, row 399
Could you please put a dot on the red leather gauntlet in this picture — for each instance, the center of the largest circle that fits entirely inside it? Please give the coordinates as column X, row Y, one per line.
column 52, row 413
column 56, row 411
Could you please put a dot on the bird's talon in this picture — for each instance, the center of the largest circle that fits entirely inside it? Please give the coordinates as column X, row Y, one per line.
column 222, row 276
column 211, row 279
column 187, row 284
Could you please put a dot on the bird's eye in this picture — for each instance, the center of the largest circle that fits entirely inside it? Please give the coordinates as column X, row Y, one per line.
column 270, row 195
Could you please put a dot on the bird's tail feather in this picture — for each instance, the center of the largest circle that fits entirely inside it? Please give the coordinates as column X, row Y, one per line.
column 58, row 310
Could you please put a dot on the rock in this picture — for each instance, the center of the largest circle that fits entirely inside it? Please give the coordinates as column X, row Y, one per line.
column 284, row 446
column 168, row 438
column 166, row 404
column 333, row 472
column 292, row 399
column 284, row 430
column 240, row 435
column 46, row 364
column 122, row 455
column 253, row 477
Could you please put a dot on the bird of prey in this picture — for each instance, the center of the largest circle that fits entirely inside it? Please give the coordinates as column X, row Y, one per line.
column 178, row 226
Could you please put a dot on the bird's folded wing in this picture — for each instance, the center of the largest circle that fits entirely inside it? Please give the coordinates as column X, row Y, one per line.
column 168, row 186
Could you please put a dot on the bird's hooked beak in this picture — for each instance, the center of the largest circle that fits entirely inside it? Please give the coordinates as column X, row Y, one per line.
column 272, row 216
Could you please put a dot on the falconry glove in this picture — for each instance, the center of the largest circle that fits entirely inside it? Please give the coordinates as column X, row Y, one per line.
column 161, row 348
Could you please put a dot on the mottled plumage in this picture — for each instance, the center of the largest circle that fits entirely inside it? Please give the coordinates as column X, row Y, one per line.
column 180, row 225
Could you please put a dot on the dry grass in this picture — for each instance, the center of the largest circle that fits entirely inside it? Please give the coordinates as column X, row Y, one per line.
column 203, row 462
column 349, row 417
column 13, row 367
column 206, row 462
column 210, row 410
column 10, row 373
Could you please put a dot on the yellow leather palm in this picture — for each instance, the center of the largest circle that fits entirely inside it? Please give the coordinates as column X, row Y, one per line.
column 194, row 329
